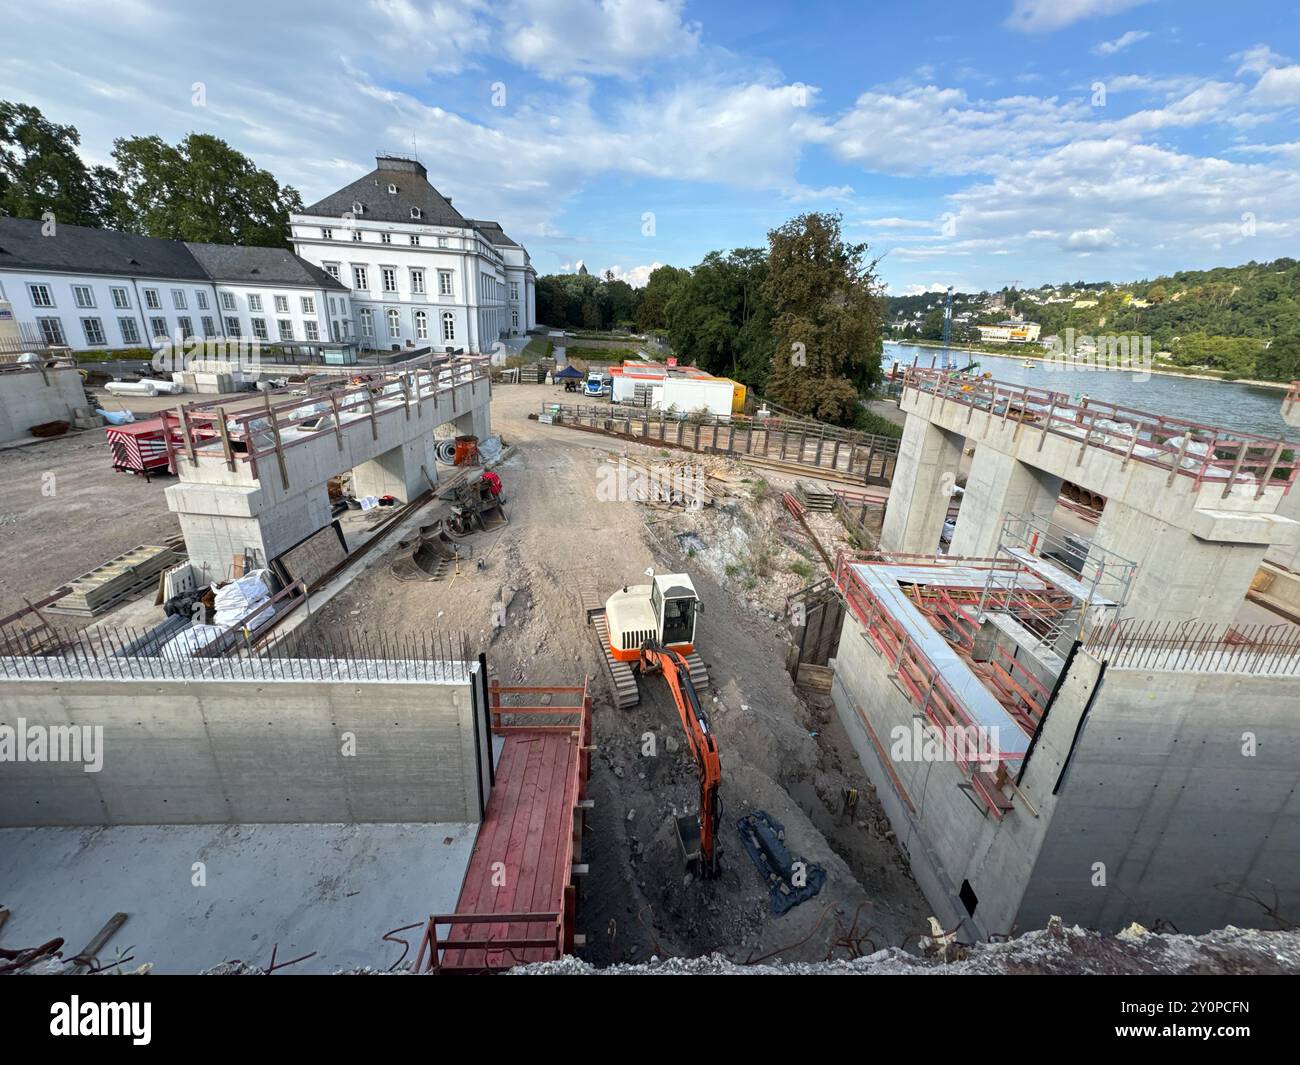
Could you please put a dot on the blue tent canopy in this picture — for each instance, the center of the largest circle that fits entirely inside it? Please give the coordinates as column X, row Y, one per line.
column 569, row 373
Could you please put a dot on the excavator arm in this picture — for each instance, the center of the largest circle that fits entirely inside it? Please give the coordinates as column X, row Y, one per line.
column 703, row 747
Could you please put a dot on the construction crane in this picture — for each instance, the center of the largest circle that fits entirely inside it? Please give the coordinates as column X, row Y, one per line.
column 947, row 327
column 698, row 834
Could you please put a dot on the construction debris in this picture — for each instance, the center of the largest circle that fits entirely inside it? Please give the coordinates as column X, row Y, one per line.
column 116, row 581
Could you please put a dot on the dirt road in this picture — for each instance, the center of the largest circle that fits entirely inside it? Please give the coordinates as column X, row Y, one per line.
column 779, row 753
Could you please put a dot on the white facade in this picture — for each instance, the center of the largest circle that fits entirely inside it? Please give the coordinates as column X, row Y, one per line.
column 96, row 312
column 417, row 280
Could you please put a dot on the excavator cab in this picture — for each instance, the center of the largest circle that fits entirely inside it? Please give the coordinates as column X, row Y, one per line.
column 663, row 612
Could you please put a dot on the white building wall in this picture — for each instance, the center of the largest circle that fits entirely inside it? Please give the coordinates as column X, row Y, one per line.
column 181, row 307
column 476, row 302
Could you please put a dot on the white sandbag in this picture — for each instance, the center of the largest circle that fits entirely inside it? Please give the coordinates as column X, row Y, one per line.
column 188, row 642
column 235, row 600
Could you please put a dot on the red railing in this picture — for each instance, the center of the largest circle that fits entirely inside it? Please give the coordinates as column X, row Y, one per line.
column 1206, row 453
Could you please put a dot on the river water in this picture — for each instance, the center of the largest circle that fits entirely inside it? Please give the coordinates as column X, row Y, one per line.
column 1246, row 408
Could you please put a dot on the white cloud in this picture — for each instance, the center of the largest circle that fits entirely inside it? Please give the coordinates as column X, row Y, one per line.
column 1089, row 239
column 1278, row 87
column 635, row 276
column 1043, row 16
column 1121, row 42
column 1257, row 59
column 601, row 37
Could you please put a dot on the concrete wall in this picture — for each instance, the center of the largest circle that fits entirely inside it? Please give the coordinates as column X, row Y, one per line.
column 223, row 512
column 249, row 751
column 1161, row 792
column 29, row 398
column 948, row 836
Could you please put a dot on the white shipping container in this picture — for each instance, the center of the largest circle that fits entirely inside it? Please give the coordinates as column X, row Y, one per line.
column 689, row 394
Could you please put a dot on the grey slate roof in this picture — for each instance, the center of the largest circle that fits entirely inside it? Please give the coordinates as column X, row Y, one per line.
column 371, row 191
column 493, row 232
column 80, row 250
column 252, row 266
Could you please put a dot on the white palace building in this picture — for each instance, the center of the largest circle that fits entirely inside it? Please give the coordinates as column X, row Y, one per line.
column 386, row 264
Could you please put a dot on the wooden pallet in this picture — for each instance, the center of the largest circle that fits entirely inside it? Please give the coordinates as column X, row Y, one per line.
column 813, row 496
column 116, row 581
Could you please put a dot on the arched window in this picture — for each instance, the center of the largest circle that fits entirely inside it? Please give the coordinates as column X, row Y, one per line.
column 448, row 326
column 394, row 323
column 421, row 326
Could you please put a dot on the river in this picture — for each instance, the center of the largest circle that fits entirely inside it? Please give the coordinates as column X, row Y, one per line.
column 1246, row 408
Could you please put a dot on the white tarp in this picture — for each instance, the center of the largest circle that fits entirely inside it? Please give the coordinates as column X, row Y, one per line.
column 236, row 599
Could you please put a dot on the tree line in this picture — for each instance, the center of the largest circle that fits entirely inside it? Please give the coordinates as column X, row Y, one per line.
column 200, row 189
column 798, row 321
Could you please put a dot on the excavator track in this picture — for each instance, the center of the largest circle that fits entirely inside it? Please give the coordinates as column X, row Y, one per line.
column 621, row 674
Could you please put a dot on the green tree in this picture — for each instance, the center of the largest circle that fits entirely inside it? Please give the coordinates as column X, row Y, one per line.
column 1280, row 361
column 719, row 320
column 202, row 189
column 826, row 318
column 41, row 171
column 660, row 288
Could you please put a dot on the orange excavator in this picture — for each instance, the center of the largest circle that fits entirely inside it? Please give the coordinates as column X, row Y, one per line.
column 698, row 834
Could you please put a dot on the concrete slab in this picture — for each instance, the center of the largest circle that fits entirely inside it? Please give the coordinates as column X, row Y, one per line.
column 331, row 888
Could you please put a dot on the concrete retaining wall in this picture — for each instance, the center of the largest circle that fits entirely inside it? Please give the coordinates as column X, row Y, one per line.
column 248, row 751
column 29, row 398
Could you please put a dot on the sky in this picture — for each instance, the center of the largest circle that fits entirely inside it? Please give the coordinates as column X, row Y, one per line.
column 974, row 144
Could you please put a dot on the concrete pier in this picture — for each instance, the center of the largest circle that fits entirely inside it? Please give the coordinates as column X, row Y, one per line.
column 266, row 489
column 1197, row 525
column 929, row 457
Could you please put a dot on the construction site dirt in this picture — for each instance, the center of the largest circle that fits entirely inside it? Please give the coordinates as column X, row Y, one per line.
column 783, row 751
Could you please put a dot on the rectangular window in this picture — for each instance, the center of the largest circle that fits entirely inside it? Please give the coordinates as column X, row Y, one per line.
column 415, row 240
column 327, row 234
column 41, row 296
column 394, row 323
column 417, row 282
column 333, row 270
column 201, row 298
column 52, row 331
column 356, row 235
column 442, row 242
column 227, row 301
column 313, row 332
column 130, row 330
column 178, row 299
column 514, row 290
column 334, row 329
column 444, row 282
column 514, row 319
column 359, row 279
column 83, row 296
column 308, row 305
column 255, row 303
column 281, row 304
column 385, row 238
column 93, row 329
column 186, row 327
column 367, row 322
column 151, row 299
column 121, row 299
column 158, row 327
column 259, row 329
column 209, row 326
column 286, row 328
column 232, row 327
column 390, row 279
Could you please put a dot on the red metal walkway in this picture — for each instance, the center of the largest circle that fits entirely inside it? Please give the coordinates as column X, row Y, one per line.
column 517, row 902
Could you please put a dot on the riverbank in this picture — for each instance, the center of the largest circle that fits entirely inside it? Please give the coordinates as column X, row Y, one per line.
column 1038, row 354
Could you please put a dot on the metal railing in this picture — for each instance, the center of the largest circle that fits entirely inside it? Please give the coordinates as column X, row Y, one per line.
column 1209, row 454
column 245, row 435
column 303, row 654
column 1192, row 646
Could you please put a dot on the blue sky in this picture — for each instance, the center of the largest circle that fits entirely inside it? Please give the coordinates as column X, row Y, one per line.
column 996, row 141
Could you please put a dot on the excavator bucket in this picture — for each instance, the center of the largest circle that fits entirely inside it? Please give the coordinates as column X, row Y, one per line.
column 427, row 557
column 688, row 836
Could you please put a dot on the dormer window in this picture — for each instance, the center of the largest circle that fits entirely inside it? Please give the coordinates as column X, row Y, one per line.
column 416, row 213
column 392, row 190
column 358, row 208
